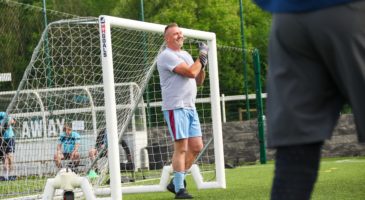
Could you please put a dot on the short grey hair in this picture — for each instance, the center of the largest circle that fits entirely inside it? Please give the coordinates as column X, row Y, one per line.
column 170, row 26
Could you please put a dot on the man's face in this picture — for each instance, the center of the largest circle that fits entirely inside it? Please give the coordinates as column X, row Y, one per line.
column 174, row 38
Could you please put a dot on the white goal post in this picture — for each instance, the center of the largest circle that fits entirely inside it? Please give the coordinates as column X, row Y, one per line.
column 99, row 74
column 106, row 22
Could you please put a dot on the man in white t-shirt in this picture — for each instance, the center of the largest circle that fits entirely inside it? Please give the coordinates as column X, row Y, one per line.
column 179, row 77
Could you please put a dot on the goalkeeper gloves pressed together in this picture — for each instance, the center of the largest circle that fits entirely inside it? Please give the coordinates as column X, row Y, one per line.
column 203, row 54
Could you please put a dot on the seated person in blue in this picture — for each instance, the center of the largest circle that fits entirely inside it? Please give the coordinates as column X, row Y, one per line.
column 67, row 147
column 7, row 143
column 102, row 142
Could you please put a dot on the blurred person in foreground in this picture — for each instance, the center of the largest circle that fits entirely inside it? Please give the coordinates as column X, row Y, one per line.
column 316, row 65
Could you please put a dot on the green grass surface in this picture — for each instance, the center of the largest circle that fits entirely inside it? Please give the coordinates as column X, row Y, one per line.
column 339, row 179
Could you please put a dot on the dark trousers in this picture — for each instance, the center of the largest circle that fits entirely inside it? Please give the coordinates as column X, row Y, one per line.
column 296, row 170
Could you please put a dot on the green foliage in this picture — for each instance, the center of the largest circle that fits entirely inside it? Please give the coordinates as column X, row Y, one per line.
column 21, row 26
column 219, row 16
column 16, row 28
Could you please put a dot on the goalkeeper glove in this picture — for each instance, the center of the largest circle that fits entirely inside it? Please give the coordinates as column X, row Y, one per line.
column 203, row 48
column 203, row 58
column 203, row 54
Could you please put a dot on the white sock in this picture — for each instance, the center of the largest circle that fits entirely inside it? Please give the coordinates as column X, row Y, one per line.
column 6, row 174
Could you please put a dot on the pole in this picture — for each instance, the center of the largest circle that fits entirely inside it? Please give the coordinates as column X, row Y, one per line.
column 48, row 62
column 223, row 109
column 110, row 108
column 48, row 59
column 44, row 11
column 142, row 11
column 145, row 61
column 248, row 115
column 256, row 62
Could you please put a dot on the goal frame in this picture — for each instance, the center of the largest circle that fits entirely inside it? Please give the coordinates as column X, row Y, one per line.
column 105, row 24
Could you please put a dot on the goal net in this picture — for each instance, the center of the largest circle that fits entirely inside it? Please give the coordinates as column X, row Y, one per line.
column 96, row 74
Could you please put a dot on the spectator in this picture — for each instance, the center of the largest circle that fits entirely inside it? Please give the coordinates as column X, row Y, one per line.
column 7, row 143
column 100, row 144
column 67, row 147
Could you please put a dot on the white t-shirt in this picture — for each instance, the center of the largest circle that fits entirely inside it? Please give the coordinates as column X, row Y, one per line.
column 177, row 91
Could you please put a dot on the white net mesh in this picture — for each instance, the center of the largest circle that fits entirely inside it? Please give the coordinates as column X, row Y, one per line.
column 63, row 84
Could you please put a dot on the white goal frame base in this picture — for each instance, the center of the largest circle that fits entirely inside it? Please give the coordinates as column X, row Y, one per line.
column 68, row 181
column 165, row 178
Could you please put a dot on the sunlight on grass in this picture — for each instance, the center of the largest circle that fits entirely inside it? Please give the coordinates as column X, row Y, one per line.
column 339, row 179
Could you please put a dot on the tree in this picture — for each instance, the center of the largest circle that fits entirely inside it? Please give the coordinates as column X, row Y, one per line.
column 219, row 16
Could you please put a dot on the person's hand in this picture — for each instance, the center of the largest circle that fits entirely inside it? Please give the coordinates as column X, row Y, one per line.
column 73, row 154
column 59, row 153
column 203, row 54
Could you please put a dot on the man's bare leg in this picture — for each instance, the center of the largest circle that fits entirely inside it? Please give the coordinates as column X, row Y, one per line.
column 178, row 163
column 8, row 161
column 195, row 145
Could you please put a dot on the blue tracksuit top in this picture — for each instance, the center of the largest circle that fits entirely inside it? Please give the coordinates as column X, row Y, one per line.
column 9, row 132
column 293, row 6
